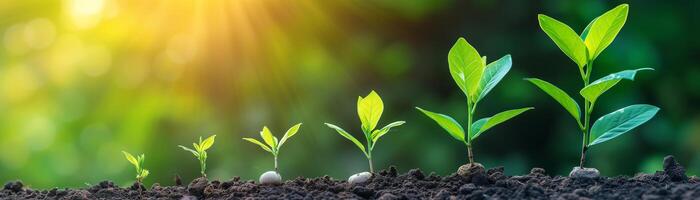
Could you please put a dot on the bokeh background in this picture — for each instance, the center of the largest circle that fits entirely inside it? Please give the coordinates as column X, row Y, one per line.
column 81, row 80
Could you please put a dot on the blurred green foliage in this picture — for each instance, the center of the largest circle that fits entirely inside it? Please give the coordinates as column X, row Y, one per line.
column 81, row 80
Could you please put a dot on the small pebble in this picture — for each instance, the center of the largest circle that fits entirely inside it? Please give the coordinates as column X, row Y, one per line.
column 270, row 177
column 359, row 177
column 579, row 172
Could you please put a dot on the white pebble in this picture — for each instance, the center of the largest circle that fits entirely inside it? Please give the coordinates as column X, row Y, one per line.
column 270, row 177
column 359, row 177
column 578, row 172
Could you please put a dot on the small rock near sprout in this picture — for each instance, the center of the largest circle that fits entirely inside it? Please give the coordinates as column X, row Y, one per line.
column 579, row 172
column 359, row 177
column 471, row 168
column 270, row 177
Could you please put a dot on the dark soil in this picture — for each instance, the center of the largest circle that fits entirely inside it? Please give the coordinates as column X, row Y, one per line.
column 672, row 183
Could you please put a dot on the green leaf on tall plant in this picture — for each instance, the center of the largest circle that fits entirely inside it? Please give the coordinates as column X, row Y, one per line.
column 604, row 29
column 619, row 122
column 493, row 74
column 566, row 39
column 484, row 124
column 598, row 87
column 560, row 96
column 585, row 31
column 466, row 67
column 446, row 122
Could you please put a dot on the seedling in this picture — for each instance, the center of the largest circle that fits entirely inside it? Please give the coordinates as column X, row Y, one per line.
column 200, row 151
column 476, row 79
column 369, row 109
column 271, row 144
column 141, row 173
column 583, row 49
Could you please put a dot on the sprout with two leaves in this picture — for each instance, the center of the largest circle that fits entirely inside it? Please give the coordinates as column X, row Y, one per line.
column 137, row 161
column 200, row 152
column 273, row 145
column 583, row 49
column 369, row 109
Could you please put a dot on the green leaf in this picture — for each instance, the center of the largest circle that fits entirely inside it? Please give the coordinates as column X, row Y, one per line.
column 197, row 147
column 585, row 31
column 370, row 109
column 348, row 136
column 131, row 159
column 560, row 96
column 379, row 133
column 466, row 67
column 447, row 123
column 144, row 173
column 266, row 135
column 493, row 74
column 196, row 154
column 291, row 132
column 263, row 146
column 566, row 39
column 598, row 87
column 604, row 29
column 206, row 144
column 485, row 124
column 616, row 123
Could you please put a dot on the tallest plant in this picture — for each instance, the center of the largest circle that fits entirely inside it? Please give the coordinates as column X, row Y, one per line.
column 583, row 49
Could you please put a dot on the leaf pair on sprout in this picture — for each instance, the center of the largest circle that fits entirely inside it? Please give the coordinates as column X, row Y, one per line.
column 476, row 79
column 200, row 151
column 141, row 173
column 272, row 144
column 369, row 109
column 583, row 49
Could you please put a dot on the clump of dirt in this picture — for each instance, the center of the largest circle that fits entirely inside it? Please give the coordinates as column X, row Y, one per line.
column 671, row 183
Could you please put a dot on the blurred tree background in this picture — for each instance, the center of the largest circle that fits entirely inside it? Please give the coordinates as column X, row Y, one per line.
column 81, row 80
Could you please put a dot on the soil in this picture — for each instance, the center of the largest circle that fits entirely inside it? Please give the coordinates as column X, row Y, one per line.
column 671, row 183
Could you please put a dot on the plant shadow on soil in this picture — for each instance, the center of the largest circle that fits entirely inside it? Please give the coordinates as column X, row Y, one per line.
column 671, row 183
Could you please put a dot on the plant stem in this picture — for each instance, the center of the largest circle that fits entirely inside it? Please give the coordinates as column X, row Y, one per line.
column 470, row 115
column 371, row 168
column 275, row 163
column 588, row 107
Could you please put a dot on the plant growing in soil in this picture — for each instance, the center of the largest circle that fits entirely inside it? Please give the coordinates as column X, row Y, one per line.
column 200, row 151
column 271, row 144
column 583, row 49
column 369, row 109
column 141, row 173
column 476, row 79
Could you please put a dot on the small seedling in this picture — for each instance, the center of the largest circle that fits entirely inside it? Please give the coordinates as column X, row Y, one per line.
column 271, row 144
column 583, row 49
column 476, row 79
column 200, row 151
column 369, row 109
column 141, row 173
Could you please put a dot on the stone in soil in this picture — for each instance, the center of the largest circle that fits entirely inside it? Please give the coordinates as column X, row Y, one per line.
column 359, row 178
column 579, row 172
column 270, row 177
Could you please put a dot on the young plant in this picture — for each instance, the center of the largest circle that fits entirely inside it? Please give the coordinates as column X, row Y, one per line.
column 369, row 109
column 200, row 151
column 271, row 144
column 583, row 49
column 476, row 79
column 141, row 173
